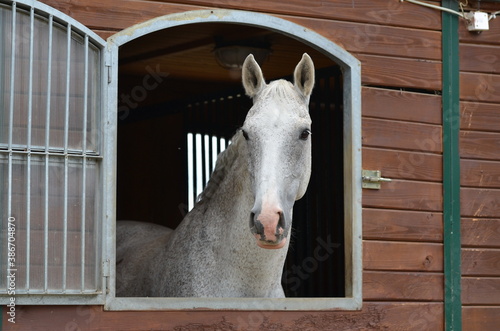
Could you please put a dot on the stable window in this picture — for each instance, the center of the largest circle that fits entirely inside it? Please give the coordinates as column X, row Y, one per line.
column 191, row 127
column 50, row 157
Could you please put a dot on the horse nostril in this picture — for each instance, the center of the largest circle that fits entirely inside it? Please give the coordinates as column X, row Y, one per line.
column 252, row 220
column 281, row 221
column 259, row 229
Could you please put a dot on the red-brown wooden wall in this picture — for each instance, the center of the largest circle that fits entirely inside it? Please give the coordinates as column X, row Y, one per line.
column 480, row 176
column 399, row 45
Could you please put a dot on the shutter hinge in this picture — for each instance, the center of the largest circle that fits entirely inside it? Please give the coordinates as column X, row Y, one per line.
column 106, row 273
column 107, row 63
column 372, row 178
column 106, row 268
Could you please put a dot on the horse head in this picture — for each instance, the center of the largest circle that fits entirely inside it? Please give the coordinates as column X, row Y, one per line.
column 277, row 131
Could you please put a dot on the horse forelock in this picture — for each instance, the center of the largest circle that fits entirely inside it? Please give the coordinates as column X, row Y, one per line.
column 281, row 92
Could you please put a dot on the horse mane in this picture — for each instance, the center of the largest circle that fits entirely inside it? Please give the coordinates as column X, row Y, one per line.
column 224, row 162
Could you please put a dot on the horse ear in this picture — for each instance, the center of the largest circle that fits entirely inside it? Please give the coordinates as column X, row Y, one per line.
column 253, row 80
column 304, row 76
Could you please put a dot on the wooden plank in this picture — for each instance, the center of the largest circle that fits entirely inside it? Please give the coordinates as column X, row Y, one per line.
column 115, row 15
column 480, row 232
column 479, row 116
column 480, row 202
column 373, row 316
column 401, row 105
column 104, row 34
column 479, row 173
column 99, row 13
column 480, row 318
column 378, row 70
column 479, row 87
column 371, row 36
column 404, row 165
column 405, row 195
column 376, row 39
column 480, row 262
column 480, row 291
column 400, row 72
column 480, row 58
column 384, row 224
column 401, row 135
column 402, row 256
column 480, row 145
column 407, row 286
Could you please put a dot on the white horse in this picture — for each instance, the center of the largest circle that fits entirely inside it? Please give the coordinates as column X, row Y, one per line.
column 235, row 240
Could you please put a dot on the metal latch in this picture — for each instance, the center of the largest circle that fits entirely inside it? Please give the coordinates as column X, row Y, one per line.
column 372, row 178
column 106, row 268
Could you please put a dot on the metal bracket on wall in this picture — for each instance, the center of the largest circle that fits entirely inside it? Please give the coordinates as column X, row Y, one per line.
column 372, row 178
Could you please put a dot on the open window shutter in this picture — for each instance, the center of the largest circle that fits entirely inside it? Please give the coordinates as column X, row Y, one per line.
column 51, row 156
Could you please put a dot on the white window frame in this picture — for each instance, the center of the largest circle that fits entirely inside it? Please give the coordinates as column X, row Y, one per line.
column 66, row 297
column 351, row 69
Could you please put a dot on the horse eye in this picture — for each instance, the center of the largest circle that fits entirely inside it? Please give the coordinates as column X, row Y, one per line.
column 305, row 134
column 245, row 134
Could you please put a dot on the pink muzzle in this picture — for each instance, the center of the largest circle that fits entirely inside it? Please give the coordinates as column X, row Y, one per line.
column 268, row 228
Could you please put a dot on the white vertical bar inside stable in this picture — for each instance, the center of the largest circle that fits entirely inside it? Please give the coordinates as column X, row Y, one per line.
column 206, row 160
column 84, row 161
column 199, row 164
column 190, row 166
column 215, row 141
column 47, row 158
column 66, row 159
column 28, row 175
column 222, row 144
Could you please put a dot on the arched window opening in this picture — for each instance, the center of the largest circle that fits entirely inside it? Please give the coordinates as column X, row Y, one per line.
column 169, row 136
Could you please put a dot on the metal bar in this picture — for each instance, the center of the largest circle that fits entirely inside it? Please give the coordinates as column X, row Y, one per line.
column 199, row 165
column 28, row 175
column 46, row 225
column 28, row 220
column 68, row 82
column 190, row 168
column 30, row 78
column 66, row 158
column 213, row 148
column 49, row 85
column 47, row 155
column 84, row 165
column 206, row 159
column 11, row 118
column 451, row 169
column 65, row 224
column 12, row 77
column 55, row 154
